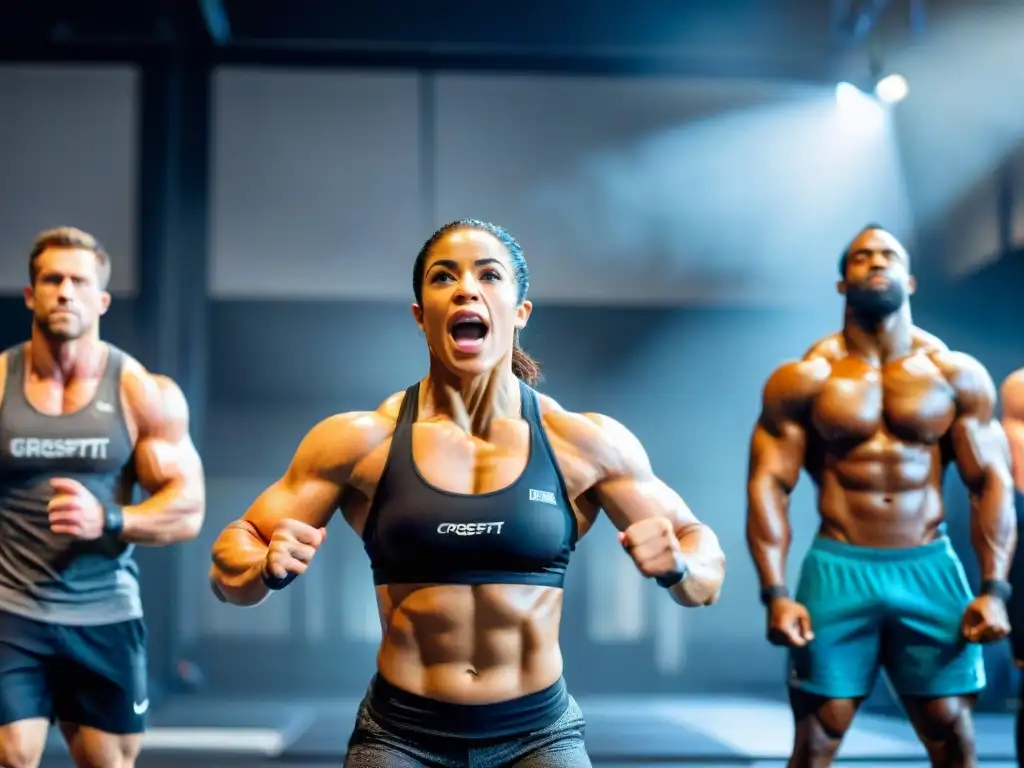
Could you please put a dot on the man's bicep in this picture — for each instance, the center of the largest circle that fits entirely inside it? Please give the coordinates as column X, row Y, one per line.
column 164, row 452
column 779, row 442
column 777, row 450
column 977, row 439
column 979, row 447
column 161, row 461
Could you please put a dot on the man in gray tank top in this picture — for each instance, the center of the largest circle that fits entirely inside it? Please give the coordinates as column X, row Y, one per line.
column 81, row 423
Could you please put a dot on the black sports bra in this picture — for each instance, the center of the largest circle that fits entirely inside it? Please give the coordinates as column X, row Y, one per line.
column 417, row 533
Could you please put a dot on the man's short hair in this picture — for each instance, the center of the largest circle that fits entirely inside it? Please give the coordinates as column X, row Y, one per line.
column 69, row 237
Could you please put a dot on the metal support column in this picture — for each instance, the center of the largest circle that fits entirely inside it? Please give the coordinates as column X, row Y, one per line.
column 172, row 305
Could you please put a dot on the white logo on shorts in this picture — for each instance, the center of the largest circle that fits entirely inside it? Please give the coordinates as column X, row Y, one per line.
column 544, row 497
column 140, row 707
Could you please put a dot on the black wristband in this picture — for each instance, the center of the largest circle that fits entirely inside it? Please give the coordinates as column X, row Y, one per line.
column 113, row 518
column 273, row 583
column 773, row 593
column 998, row 588
column 669, row 580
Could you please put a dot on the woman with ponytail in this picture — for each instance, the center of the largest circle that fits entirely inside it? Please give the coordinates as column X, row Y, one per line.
column 470, row 491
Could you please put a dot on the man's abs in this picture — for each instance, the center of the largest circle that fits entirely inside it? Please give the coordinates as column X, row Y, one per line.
column 875, row 450
column 883, row 493
column 470, row 644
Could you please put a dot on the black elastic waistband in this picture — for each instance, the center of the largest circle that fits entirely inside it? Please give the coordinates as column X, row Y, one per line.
column 397, row 708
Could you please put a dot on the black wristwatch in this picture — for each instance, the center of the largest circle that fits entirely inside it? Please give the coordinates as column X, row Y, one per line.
column 774, row 592
column 998, row 588
column 113, row 518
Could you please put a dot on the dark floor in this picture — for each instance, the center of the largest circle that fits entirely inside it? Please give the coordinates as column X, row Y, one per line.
column 621, row 731
column 216, row 762
column 761, row 764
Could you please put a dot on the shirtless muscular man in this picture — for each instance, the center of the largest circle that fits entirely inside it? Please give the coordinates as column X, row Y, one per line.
column 1013, row 423
column 874, row 414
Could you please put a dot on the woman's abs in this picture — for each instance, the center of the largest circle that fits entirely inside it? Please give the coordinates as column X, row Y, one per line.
column 463, row 644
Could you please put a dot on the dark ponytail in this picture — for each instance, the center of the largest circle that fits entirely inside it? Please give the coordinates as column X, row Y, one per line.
column 524, row 367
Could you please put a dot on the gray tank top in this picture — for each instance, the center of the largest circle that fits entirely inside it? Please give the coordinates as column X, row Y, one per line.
column 43, row 575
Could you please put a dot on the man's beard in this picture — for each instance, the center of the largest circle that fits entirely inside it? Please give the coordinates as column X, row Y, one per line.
column 873, row 304
column 63, row 332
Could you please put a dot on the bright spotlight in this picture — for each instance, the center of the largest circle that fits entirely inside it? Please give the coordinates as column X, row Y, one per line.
column 857, row 110
column 892, row 89
column 848, row 95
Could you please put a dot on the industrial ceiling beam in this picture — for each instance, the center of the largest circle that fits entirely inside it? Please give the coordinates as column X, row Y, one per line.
column 918, row 18
column 215, row 16
column 853, row 20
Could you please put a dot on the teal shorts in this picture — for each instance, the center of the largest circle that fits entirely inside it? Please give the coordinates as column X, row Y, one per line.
column 897, row 609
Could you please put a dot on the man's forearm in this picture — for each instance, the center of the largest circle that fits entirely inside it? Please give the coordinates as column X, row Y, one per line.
column 236, row 576
column 768, row 532
column 705, row 562
column 173, row 514
column 994, row 524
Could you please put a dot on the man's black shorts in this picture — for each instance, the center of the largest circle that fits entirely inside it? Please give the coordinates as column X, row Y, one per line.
column 88, row 675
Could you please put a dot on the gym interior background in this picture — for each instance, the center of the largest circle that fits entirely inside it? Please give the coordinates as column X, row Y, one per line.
column 682, row 176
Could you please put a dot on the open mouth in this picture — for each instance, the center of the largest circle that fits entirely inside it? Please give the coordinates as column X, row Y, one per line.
column 468, row 330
